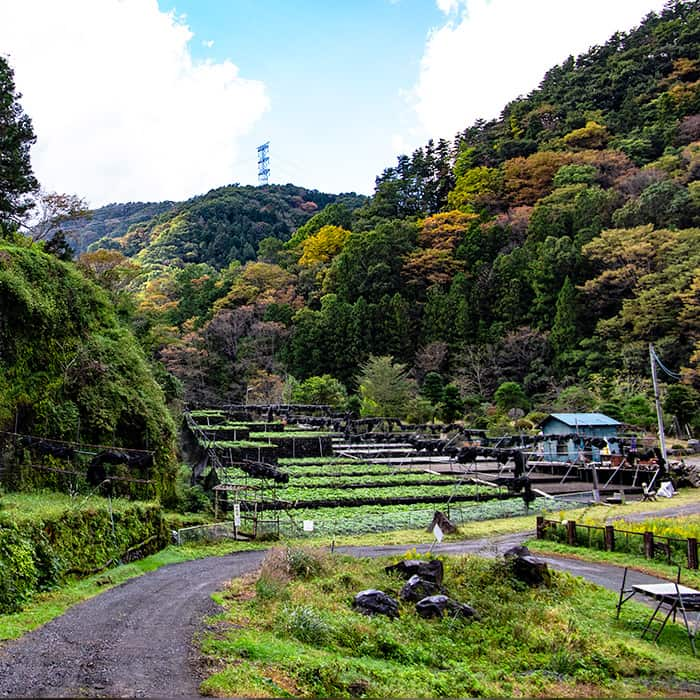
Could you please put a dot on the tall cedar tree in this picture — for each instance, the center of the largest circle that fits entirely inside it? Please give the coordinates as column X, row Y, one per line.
column 16, row 137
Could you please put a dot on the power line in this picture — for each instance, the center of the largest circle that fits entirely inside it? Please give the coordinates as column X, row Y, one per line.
column 673, row 375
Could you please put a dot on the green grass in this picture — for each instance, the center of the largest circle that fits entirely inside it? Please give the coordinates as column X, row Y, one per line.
column 297, row 635
column 602, row 513
column 28, row 507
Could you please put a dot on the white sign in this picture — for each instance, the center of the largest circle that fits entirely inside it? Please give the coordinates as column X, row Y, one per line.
column 437, row 531
column 308, row 525
column 237, row 514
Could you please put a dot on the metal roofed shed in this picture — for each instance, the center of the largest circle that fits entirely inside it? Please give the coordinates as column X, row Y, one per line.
column 584, row 424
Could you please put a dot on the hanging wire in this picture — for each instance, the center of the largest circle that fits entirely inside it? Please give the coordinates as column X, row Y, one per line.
column 673, row 375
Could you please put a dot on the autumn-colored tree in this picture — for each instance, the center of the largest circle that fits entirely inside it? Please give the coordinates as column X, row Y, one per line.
column 528, row 179
column 323, row 245
column 444, row 231
column 260, row 283
column 429, row 267
column 593, row 135
column 109, row 268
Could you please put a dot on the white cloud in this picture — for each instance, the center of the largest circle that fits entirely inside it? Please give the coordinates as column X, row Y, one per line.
column 120, row 109
column 448, row 6
column 491, row 51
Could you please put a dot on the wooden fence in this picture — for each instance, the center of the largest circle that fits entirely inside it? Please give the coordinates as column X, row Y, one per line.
column 681, row 552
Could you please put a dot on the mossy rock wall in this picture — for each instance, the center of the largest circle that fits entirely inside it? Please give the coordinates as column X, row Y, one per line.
column 37, row 555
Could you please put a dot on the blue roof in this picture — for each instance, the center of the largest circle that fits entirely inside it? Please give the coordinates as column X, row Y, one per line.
column 584, row 419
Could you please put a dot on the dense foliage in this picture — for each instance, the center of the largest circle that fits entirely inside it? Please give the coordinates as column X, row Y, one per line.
column 45, row 539
column 16, row 137
column 68, row 369
column 523, row 266
column 543, row 250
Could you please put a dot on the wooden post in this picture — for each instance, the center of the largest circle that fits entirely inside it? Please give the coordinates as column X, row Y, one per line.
column 540, row 527
column 571, row 532
column 692, row 553
column 609, row 538
column 649, row 545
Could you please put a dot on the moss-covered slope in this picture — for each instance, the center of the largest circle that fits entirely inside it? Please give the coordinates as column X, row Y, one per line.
column 68, row 369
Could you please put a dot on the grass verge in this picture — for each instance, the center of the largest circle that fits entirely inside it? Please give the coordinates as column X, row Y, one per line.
column 293, row 632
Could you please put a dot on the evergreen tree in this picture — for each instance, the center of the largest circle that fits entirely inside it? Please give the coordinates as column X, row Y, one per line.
column 16, row 137
column 563, row 335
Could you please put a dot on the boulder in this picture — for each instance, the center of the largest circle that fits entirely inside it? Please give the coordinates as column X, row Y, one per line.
column 417, row 588
column 374, row 602
column 519, row 550
column 438, row 605
column 527, row 568
column 428, row 569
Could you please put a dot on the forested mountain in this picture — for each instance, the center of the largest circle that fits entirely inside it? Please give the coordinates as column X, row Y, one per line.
column 524, row 265
column 545, row 248
column 226, row 224
column 110, row 221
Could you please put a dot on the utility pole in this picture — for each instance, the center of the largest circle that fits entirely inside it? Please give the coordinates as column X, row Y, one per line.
column 264, row 163
column 657, row 400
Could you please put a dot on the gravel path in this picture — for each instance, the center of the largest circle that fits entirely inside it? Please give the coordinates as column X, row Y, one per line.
column 135, row 640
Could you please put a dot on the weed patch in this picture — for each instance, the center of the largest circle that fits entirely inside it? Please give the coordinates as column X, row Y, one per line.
column 559, row 640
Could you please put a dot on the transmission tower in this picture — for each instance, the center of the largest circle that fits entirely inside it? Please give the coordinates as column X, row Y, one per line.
column 264, row 164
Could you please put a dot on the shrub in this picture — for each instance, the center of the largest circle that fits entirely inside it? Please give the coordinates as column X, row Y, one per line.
column 306, row 624
column 18, row 572
column 305, row 563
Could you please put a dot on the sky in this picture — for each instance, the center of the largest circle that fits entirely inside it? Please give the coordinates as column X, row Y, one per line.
column 148, row 100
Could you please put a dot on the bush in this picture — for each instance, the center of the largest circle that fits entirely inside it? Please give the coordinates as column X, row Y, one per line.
column 305, row 563
column 306, row 624
column 37, row 554
column 18, row 572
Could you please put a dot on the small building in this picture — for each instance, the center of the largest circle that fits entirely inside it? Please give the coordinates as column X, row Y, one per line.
column 565, row 435
column 584, row 424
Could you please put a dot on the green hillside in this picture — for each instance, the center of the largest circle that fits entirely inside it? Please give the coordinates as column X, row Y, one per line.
column 523, row 266
column 110, row 221
column 226, row 224
column 546, row 248
column 68, row 369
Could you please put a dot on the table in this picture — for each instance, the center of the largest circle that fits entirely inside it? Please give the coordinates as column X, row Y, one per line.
column 673, row 596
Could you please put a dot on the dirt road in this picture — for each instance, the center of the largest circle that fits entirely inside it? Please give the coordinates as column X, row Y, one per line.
column 135, row 640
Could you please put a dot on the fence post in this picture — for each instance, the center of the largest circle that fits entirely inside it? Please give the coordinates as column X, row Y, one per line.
column 649, row 545
column 609, row 538
column 540, row 527
column 692, row 553
column 571, row 532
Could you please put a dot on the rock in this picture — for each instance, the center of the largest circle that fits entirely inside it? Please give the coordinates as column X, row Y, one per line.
column 417, row 588
column 518, row 551
column 374, row 602
column 526, row 567
column 531, row 571
column 428, row 569
column 438, row 605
